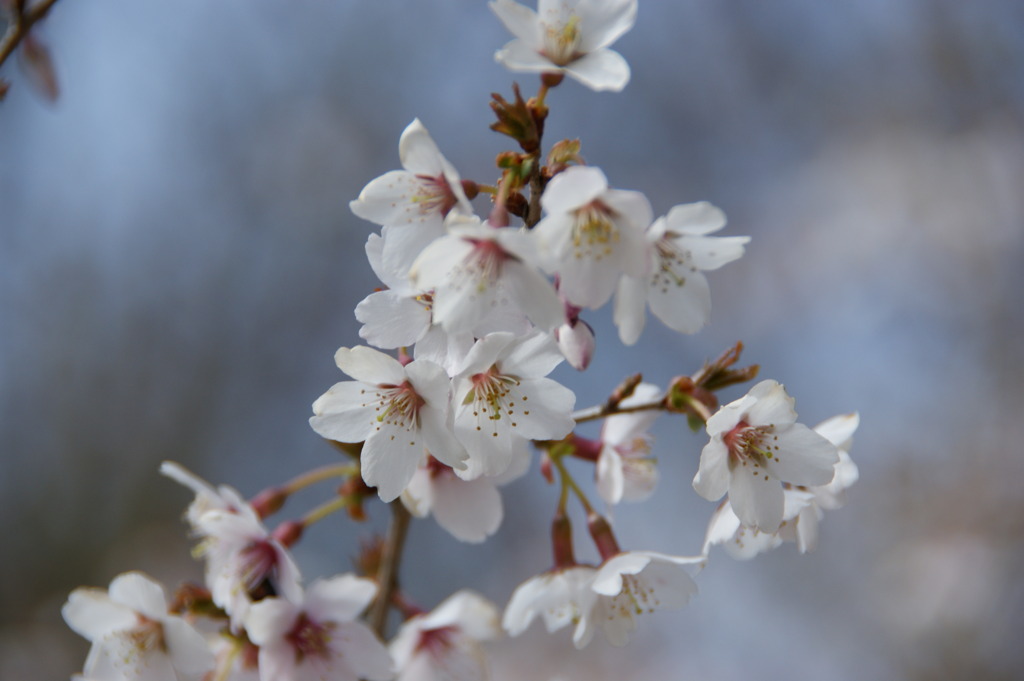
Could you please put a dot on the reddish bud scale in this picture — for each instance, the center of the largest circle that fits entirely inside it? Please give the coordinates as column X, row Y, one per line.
column 604, row 538
column 561, row 541
column 289, row 532
column 585, row 448
column 269, row 501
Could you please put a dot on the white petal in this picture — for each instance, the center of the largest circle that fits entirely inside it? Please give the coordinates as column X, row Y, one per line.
column 92, row 615
column 684, row 306
column 389, row 459
column 418, row 151
column 712, row 479
column 270, row 619
column 345, row 413
column 838, row 430
column 519, row 56
column 773, row 406
column 534, row 356
column 140, row 593
column 630, row 304
column 473, row 613
column 610, row 482
column 391, row 321
column 572, row 189
column 341, row 598
column 522, row 22
column 694, row 218
column 803, row 457
column 603, row 70
column 369, row 365
column 711, row 252
column 757, row 499
column 532, row 293
column 470, row 510
column 363, row 652
column 189, row 652
column 388, row 200
column 604, row 21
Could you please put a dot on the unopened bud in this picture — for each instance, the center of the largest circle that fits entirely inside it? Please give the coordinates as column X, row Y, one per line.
column 577, row 343
column 604, row 538
column 471, row 189
column 288, row 532
column 269, row 501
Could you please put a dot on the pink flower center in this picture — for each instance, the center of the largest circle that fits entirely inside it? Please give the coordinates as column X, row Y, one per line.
column 437, row 642
column 750, row 443
column 310, row 639
column 258, row 561
column 147, row 635
column 434, row 195
column 486, row 261
column 490, row 393
column 399, row 405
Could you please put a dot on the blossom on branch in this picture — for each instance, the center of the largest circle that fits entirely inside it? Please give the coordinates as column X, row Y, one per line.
column 502, row 397
column 591, row 235
column 395, row 410
column 445, row 644
column 133, row 637
column 756, row 445
column 570, row 37
column 476, row 268
column 625, row 470
column 676, row 289
column 318, row 637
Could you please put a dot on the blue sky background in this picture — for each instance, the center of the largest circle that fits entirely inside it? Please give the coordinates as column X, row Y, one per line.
column 178, row 265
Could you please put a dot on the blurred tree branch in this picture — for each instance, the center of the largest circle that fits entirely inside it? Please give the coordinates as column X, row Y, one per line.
column 19, row 22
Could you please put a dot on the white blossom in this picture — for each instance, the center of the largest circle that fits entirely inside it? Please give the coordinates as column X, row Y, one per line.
column 560, row 597
column 318, row 638
column 133, row 636
column 502, row 396
column 755, row 446
column 476, row 268
column 803, row 507
column 625, row 470
column 445, row 644
column 568, row 36
column 676, row 288
column 469, row 510
column 591, row 235
column 394, row 410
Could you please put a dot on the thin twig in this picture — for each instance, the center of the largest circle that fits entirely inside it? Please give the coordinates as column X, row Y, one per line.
column 602, row 410
column 21, row 21
column 387, row 574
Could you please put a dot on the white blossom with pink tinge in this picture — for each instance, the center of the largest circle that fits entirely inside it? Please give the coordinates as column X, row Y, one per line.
column 570, row 37
column 445, row 644
column 319, row 637
column 394, row 410
column 756, row 445
column 133, row 636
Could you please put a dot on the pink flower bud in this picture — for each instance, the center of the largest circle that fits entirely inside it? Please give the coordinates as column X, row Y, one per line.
column 576, row 341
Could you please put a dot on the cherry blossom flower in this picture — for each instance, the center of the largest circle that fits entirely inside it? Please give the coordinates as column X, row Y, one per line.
column 501, row 396
column 475, row 268
column 133, row 637
column 560, row 597
column 676, row 288
column 755, row 446
column 240, row 552
column 591, row 235
column 625, row 470
column 223, row 498
column 634, row 583
column 568, row 36
column 396, row 410
column 802, row 508
column 426, row 191
column 470, row 510
column 242, row 559
column 318, row 637
column 445, row 644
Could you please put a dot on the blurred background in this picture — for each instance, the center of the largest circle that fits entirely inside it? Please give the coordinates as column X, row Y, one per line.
column 178, row 265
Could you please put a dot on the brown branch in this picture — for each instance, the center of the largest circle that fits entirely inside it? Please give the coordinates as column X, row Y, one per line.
column 21, row 22
column 387, row 574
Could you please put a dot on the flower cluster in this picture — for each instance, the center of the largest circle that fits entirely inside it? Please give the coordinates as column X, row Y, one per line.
column 453, row 390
